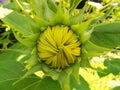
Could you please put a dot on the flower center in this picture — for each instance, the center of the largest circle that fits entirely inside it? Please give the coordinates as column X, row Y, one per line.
column 58, row 46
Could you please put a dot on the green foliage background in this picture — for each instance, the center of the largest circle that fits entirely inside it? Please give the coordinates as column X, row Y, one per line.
column 95, row 75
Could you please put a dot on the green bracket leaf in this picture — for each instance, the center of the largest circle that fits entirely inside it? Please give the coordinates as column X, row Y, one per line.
column 29, row 72
column 82, row 86
column 44, row 84
column 89, row 49
column 18, row 22
column 106, row 35
column 10, row 69
column 52, row 5
column 113, row 66
column 82, row 30
column 116, row 88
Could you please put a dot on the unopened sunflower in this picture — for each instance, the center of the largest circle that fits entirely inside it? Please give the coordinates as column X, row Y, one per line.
column 56, row 37
column 58, row 46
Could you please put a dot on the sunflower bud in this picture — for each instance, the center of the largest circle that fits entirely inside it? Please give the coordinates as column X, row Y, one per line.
column 58, row 46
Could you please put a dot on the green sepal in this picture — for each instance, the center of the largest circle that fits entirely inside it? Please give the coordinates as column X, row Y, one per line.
column 52, row 5
column 48, row 13
column 41, row 22
column 53, row 74
column 92, row 48
column 64, row 78
column 29, row 41
column 29, row 72
column 75, row 72
column 34, row 37
column 85, row 62
column 32, row 61
column 82, row 27
column 85, row 36
column 60, row 17
column 35, row 26
column 45, row 68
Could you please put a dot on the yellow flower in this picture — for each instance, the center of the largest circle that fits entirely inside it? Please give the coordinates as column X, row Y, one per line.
column 58, row 46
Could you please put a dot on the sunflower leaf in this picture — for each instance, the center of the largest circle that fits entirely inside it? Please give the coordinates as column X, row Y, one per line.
column 106, row 35
column 38, row 7
column 52, row 5
column 20, row 23
column 89, row 46
column 44, row 84
column 29, row 72
column 113, row 66
column 42, row 9
column 83, row 84
column 10, row 68
column 116, row 88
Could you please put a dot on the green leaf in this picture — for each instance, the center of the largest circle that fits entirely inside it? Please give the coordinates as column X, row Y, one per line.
column 75, row 72
column 113, row 66
column 83, row 85
column 52, row 5
column 12, row 5
column 10, row 69
column 89, row 49
column 53, row 74
column 20, row 86
column 45, row 84
column 48, row 13
column 29, row 72
column 18, row 22
column 41, row 8
column 116, row 88
column 64, row 80
column 102, row 72
column 38, row 7
column 106, row 35
column 41, row 22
